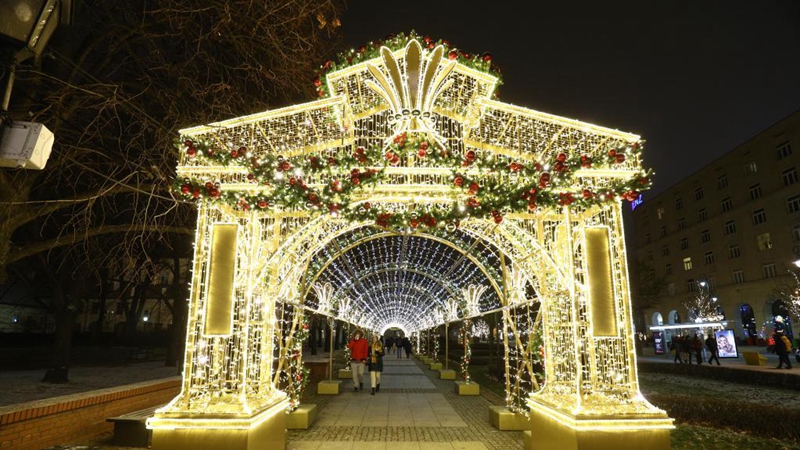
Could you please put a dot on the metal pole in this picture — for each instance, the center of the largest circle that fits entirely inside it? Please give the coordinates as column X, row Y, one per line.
column 446, row 347
column 331, row 323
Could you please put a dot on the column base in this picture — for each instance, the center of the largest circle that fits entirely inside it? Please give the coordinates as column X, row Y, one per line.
column 463, row 388
column 506, row 420
column 263, row 431
column 447, row 374
column 555, row 429
column 301, row 418
column 329, row 387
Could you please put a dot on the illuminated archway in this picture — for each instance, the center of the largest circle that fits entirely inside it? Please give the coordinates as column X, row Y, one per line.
column 411, row 143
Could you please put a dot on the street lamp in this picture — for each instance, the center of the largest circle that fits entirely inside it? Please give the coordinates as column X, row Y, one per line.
column 797, row 263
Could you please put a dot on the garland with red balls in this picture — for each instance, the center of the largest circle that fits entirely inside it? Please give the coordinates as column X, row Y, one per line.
column 498, row 187
column 482, row 62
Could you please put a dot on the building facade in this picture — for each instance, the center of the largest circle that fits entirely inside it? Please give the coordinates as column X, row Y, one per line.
column 732, row 227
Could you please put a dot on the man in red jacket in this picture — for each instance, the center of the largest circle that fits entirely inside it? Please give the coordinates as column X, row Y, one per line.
column 359, row 350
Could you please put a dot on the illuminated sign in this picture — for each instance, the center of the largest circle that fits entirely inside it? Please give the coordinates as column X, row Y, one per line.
column 637, row 202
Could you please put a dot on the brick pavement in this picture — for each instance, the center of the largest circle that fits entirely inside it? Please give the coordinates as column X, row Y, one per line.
column 441, row 425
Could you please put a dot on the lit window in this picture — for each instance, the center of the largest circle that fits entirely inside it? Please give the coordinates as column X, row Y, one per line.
column 701, row 215
column 687, row 263
column 722, row 181
column 708, row 258
column 738, row 276
column 733, row 251
column 698, row 193
column 660, row 212
column 726, row 204
column 684, row 244
column 769, row 270
column 789, row 176
column 784, row 150
column 730, row 227
column 755, row 191
column 793, row 204
column 705, row 236
column 759, row 217
column 751, row 167
column 764, row 242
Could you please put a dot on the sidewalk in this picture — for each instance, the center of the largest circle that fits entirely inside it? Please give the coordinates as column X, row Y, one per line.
column 732, row 363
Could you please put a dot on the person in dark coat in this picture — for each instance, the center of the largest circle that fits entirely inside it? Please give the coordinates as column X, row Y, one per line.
column 697, row 349
column 686, row 347
column 407, row 346
column 376, row 353
column 676, row 347
column 711, row 345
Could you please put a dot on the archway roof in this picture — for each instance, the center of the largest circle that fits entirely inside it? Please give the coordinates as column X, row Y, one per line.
column 405, row 279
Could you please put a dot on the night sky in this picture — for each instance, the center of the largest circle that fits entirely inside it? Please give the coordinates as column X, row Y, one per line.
column 694, row 78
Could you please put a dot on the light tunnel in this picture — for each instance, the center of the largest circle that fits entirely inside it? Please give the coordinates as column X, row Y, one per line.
column 403, row 280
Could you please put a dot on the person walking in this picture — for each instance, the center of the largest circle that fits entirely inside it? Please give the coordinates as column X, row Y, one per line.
column 359, row 350
column 407, row 346
column 675, row 346
column 376, row 353
column 783, row 346
column 399, row 348
column 711, row 345
column 697, row 348
column 686, row 347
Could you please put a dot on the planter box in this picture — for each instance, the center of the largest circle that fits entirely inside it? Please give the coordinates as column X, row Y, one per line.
column 436, row 366
column 501, row 418
column 329, row 387
column 463, row 388
column 527, row 440
column 447, row 374
column 345, row 374
column 301, row 418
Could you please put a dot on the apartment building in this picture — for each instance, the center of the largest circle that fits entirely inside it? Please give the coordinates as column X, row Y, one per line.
column 733, row 225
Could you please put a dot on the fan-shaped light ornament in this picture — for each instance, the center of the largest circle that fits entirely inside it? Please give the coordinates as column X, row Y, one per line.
column 472, row 296
column 517, row 286
column 324, row 295
column 451, row 310
column 411, row 88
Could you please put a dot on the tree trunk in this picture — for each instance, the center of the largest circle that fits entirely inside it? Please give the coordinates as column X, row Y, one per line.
column 62, row 346
column 312, row 336
column 101, row 313
column 177, row 334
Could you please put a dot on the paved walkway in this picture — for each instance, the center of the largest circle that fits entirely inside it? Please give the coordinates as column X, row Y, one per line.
column 414, row 410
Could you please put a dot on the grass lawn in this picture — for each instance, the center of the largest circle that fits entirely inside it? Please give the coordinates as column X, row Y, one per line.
column 693, row 437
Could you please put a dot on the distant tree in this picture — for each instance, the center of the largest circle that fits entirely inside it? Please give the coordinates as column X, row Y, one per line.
column 789, row 293
column 647, row 286
column 114, row 88
column 703, row 304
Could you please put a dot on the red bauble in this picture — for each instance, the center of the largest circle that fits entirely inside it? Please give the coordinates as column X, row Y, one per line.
column 452, row 55
column 471, row 155
column 196, row 193
column 612, row 153
column 367, row 205
column 209, row 185
column 312, row 198
column 487, row 57
column 327, row 64
column 422, row 153
column 234, row 154
column 191, row 151
column 559, row 166
column 431, row 45
column 355, row 180
column 537, row 167
column 262, row 204
column 643, row 181
column 209, row 152
column 188, row 143
column 587, row 194
column 414, row 223
column 331, row 161
column 498, row 219
column 561, row 157
column 446, row 43
column 292, row 181
column 531, row 205
column 427, row 39
column 473, row 187
column 396, row 160
column 317, row 82
column 360, row 150
column 362, row 49
column 320, row 93
column 185, row 189
column 354, row 173
column 213, row 193
column 620, row 158
column 545, row 177
column 458, row 181
column 251, row 177
column 423, row 145
column 389, row 156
